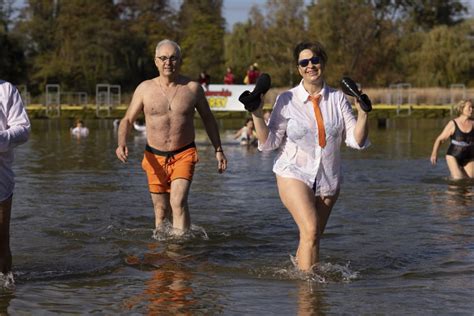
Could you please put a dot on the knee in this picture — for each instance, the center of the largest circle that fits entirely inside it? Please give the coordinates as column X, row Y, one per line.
column 178, row 204
column 310, row 235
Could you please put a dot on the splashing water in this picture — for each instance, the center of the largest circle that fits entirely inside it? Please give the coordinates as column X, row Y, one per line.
column 167, row 233
column 321, row 273
column 6, row 281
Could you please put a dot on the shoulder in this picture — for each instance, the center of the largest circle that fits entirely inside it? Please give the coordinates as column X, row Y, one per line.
column 6, row 88
column 286, row 96
column 145, row 86
column 334, row 93
column 192, row 85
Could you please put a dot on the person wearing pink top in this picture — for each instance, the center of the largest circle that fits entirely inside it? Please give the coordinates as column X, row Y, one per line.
column 14, row 130
column 308, row 163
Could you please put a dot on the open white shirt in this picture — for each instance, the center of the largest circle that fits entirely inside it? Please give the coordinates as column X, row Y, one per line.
column 14, row 130
column 293, row 129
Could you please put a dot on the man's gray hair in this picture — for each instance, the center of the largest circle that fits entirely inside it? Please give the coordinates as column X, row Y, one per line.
column 170, row 42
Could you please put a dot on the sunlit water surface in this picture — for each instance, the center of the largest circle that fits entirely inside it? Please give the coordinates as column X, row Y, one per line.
column 399, row 241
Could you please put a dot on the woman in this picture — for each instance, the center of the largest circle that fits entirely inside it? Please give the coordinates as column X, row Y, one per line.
column 460, row 155
column 307, row 167
column 14, row 130
column 246, row 134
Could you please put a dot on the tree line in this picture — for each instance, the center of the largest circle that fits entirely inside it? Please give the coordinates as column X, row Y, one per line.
column 79, row 43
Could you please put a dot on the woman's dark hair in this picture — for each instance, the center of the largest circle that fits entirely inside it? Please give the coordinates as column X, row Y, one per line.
column 316, row 47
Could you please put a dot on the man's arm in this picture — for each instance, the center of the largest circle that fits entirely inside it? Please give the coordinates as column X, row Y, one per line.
column 134, row 109
column 210, row 124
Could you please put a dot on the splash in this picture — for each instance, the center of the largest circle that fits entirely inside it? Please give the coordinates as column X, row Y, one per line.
column 6, row 281
column 167, row 233
column 322, row 273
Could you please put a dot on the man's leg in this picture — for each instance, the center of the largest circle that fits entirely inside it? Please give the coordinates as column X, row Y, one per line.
column 5, row 253
column 179, row 205
column 161, row 205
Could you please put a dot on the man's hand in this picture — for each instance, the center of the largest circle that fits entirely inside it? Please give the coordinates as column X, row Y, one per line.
column 221, row 162
column 122, row 153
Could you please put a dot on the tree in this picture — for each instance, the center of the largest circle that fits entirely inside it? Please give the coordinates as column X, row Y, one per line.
column 444, row 56
column 427, row 14
column 239, row 51
column 143, row 23
column 12, row 58
column 72, row 42
column 202, row 37
column 360, row 37
column 275, row 34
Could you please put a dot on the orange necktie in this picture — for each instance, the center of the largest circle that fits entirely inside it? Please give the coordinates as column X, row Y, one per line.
column 319, row 120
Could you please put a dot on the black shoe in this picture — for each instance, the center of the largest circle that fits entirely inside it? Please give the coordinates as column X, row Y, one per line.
column 252, row 100
column 350, row 87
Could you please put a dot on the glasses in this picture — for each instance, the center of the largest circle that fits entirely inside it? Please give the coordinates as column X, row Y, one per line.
column 305, row 62
column 172, row 59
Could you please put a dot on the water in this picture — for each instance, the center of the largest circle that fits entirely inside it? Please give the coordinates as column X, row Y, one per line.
column 399, row 240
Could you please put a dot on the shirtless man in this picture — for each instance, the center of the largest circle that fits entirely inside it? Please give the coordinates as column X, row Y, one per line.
column 168, row 103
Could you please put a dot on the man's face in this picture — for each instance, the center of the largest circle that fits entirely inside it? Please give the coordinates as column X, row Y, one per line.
column 167, row 60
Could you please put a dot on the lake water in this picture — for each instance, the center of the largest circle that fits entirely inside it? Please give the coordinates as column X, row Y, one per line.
column 399, row 241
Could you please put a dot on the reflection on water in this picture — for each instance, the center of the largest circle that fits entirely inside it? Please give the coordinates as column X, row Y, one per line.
column 169, row 290
column 83, row 241
column 311, row 299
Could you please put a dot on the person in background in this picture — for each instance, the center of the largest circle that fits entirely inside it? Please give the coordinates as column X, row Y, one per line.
column 460, row 154
column 246, row 134
column 14, row 130
column 308, row 124
column 79, row 130
column 169, row 103
column 229, row 76
column 139, row 125
column 204, row 80
column 253, row 73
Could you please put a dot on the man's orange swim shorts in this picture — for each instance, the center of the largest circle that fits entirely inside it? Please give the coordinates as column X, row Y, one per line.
column 162, row 167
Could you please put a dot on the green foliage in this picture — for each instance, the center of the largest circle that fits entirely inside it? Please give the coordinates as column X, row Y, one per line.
column 275, row 35
column 240, row 52
column 427, row 14
column 202, row 38
column 79, row 43
column 445, row 57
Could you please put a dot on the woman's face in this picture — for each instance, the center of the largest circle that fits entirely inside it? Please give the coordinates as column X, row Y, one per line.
column 467, row 110
column 312, row 73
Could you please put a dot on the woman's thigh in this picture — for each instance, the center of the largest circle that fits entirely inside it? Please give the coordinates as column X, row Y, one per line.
column 300, row 201
column 457, row 172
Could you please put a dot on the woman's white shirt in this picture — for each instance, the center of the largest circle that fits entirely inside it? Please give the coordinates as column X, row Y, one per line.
column 14, row 130
column 293, row 129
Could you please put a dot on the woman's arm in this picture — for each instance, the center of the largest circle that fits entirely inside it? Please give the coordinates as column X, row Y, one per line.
column 445, row 134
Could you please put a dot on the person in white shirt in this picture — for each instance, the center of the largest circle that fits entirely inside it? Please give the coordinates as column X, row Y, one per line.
column 307, row 166
column 14, row 130
column 79, row 130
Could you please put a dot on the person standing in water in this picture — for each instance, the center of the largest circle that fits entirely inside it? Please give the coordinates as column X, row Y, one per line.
column 169, row 103
column 307, row 125
column 14, row 130
column 460, row 154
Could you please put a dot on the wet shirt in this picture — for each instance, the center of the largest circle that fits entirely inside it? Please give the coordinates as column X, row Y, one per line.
column 294, row 131
column 14, row 130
